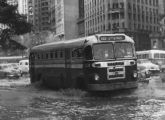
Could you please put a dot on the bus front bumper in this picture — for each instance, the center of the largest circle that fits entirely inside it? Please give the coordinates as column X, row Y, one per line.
column 112, row 86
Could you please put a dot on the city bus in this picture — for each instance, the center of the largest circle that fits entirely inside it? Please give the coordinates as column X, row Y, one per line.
column 11, row 59
column 101, row 62
column 154, row 56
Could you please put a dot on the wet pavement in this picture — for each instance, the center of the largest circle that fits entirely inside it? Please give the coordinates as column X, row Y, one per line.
column 21, row 101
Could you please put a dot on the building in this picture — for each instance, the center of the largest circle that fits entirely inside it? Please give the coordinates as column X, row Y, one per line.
column 161, row 7
column 81, row 20
column 66, row 19
column 162, row 16
column 136, row 18
column 159, row 38
column 23, row 7
column 52, row 17
column 30, row 14
column 41, row 15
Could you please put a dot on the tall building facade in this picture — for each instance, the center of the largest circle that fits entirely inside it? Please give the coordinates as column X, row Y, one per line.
column 30, row 15
column 136, row 18
column 41, row 14
column 162, row 7
column 66, row 14
column 12, row 2
column 23, row 7
column 81, row 20
column 52, row 16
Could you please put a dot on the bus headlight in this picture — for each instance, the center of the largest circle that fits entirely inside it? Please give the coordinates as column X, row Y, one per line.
column 96, row 77
column 135, row 74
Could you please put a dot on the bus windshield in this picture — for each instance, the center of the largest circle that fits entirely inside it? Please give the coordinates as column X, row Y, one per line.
column 103, row 51
column 123, row 50
column 111, row 51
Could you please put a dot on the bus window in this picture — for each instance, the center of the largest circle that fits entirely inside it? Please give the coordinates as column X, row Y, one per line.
column 123, row 50
column 56, row 54
column 103, row 51
column 88, row 53
column 61, row 54
column 77, row 52
column 51, row 55
column 38, row 56
column 47, row 55
column 35, row 56
column 161, row 55
column 156, row 55
column 147, row 56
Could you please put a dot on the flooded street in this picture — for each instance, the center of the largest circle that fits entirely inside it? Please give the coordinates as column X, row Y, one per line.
column 21, row 101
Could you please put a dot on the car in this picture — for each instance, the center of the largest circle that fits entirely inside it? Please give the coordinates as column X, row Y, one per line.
column 8, row 71
column 162, row 67
column 153, row 68
column 143, row 72
column 24, row 67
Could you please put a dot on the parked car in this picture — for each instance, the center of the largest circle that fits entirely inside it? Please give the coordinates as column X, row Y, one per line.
column 143, row 72
column 7, row 70
column 162, row 68
column 24, row 66
column 153, row 68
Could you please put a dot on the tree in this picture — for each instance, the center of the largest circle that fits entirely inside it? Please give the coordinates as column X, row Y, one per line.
column 15, row 22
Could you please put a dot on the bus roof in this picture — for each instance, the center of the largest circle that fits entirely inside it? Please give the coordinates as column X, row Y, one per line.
column 150, row 51
column 78, row 42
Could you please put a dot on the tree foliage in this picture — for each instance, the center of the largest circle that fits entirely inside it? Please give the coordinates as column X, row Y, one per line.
column 15, row 22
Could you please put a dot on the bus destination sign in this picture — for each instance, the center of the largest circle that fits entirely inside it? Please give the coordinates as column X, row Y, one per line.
column 112, row 38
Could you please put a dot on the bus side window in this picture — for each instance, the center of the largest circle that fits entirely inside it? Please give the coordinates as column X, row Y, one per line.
column 88, row 53
column 156, row 55
column 46, row 55
column 35, row 56
column 42, row 57
column 55, row 54
column 61, row 54
column 38, row 56
column 51, row 55
column 77, row 53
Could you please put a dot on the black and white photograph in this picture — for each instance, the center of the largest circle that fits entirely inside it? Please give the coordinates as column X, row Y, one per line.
column 82, row 59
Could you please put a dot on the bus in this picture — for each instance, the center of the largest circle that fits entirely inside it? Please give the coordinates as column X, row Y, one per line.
column 154, row 56
column 11, row 59
column 101, row 62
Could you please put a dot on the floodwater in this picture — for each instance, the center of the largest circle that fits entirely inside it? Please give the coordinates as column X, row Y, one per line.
column 21, row 101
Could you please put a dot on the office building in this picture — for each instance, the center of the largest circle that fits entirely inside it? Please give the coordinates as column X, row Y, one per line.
column 136, row 18
column 161, row 7
column 30, row 14
column 66, row 19
column 23, row 7
column 81, row 20
column 52, row 17
column 41, row 15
